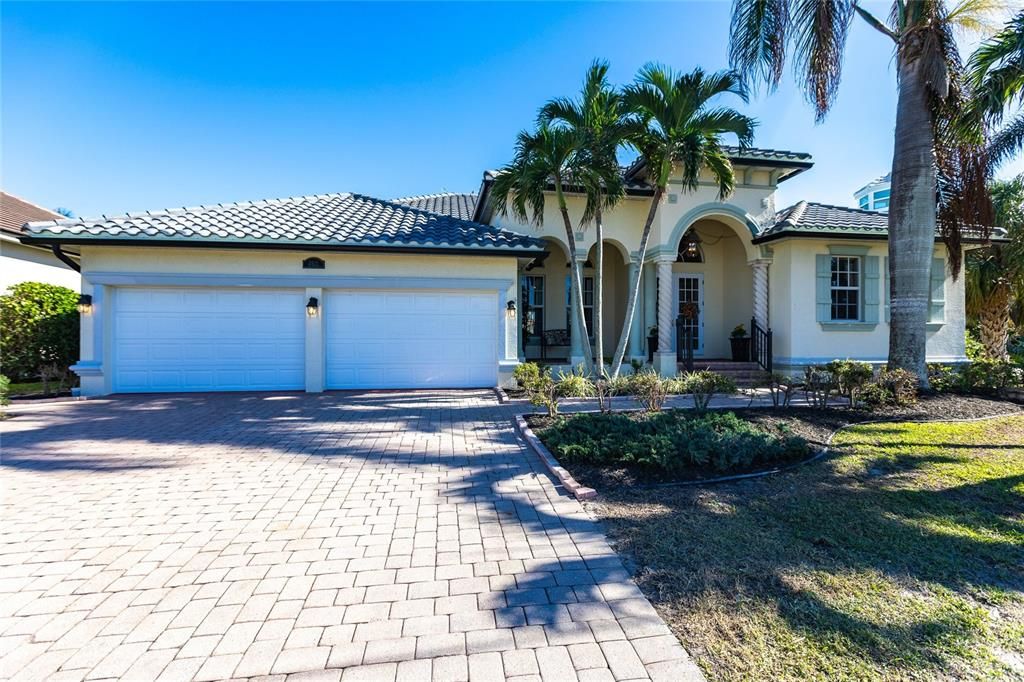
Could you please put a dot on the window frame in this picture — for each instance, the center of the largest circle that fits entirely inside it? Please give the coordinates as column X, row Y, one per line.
column 529, row 306
column 857, row 288
column 588, row 308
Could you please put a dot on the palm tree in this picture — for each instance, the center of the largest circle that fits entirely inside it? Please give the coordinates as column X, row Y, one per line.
column 549, row 155
column 599, row 121
column 677, row 125
column 996, row 74
column 995, row 275
column 814, row 32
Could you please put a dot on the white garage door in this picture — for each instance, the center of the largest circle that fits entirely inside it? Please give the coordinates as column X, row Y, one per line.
column 411, row 339
column 200, row 339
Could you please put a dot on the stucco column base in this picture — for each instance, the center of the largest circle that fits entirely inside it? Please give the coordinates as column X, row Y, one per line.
column 575, row 361
column 666, row 364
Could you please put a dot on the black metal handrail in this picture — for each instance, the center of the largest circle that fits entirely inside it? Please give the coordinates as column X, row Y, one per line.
column 761, row 345
column 684, row 344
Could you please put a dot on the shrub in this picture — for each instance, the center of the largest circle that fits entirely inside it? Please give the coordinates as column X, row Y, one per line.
column 5, row 392
column 544, row 391
column 891, row 387
column 575, row 384
column 38, row 328
column 981, row 377
column 850, row 377
column 973, row 347
column 650, row 390
column 703, row 385
column 526, row 374
column 781, row 389
column 669, row 441
column 818, row 385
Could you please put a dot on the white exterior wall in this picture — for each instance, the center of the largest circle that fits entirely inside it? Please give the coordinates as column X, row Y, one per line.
column 108, row 269
column 20, row 263
column 800, row 340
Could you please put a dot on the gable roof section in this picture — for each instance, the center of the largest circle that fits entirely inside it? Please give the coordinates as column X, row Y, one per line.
column 455, row 204
column 340, row 222
column 794, row 162
column 15, row 212
column 810, row 219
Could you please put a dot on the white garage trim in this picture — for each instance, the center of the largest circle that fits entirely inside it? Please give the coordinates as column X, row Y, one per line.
column 287, row 281
column 208, row 339
column 412, row 338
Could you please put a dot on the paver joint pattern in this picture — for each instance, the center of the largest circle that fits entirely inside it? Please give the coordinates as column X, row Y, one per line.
column 369, row 536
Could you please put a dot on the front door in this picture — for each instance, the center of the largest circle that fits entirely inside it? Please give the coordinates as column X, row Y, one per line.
column 690, row 290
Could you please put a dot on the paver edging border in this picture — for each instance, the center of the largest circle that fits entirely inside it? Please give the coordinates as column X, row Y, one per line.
column 578, row 490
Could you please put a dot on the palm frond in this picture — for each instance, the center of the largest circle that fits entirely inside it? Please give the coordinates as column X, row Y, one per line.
column 819, row 32
column 1007, row 142
column 977, row 16
column 758, row 34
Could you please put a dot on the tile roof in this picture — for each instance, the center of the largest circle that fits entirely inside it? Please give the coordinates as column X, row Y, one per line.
column 808, row 218
column 775, row 157
column 326, row 220
column 15, row 212
column 454, row 204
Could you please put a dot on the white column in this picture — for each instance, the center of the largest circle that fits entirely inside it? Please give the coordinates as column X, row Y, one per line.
column 315, row 343
column 650, row 284
column 94, row 376
column 665, row 358
column 636, row 331
column 760, row 295
column 576, row 330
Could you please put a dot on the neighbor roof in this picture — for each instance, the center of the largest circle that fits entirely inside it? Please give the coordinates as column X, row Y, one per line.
column 326, row 221
column 454, row 204
column 15, row 212
column 810, row 219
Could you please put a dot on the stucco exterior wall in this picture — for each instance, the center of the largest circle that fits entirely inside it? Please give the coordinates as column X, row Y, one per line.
column 106, row 270
column 800, row 340
column 20, row 263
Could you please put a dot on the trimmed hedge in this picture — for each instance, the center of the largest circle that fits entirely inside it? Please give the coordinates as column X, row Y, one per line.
column 38, row 330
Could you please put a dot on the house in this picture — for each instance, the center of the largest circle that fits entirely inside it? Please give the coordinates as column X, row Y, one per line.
column 29, row 263
column 343, row 291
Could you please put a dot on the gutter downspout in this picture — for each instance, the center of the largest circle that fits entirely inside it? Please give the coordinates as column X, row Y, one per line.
column 65, row 259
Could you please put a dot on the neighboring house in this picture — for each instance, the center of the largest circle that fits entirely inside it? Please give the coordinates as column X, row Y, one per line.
column 874, row 196
column 28, row 263
column 343, row 291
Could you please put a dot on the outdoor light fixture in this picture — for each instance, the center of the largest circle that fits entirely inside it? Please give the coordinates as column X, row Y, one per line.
column 510, row 309
column 84, row 304
column 693, row 245
column 311, row 306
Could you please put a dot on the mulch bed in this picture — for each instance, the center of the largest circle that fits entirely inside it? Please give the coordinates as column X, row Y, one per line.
column 815, row 425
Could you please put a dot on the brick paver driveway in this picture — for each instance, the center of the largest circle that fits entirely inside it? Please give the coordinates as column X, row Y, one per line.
column 367, row 536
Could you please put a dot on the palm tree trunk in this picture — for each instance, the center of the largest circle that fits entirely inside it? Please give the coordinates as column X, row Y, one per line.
column 634, row 284
column 577, row 280
column 994, row 322
column 912, row 215
column 599, row 293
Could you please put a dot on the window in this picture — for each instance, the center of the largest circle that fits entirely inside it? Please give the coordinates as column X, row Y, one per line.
column 881, row 194
column 533, row 305
column 881, row 203
column 588, row 302
column 845, row 288
column 864, row 202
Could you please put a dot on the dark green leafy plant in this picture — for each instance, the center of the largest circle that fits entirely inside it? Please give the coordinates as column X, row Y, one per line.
column 981, row 377
column 703, row 385
column 891, row 387
column 850, row 377
column 670, row 442
column 38, row 331
column 649, row 389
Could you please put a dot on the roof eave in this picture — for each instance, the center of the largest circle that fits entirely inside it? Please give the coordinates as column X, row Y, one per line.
column 884, row 237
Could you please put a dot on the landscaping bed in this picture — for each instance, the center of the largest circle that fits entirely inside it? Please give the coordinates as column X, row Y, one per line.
column 813, row 425
column 900, row 557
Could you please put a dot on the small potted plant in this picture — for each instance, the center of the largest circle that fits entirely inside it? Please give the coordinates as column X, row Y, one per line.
column 740, row 343
column 652, row 343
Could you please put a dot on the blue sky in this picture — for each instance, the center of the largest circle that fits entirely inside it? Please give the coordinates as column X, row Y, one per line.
column 117, row 107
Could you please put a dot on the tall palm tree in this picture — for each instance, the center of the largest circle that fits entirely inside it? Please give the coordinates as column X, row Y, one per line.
column 814, row 34
column 996, row 74
column 600, row 121
column 995, row 274
column 679, row 126
column 548, row 156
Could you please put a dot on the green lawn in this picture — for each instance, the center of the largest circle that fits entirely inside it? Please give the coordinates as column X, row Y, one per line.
column 31, row 388
column 902, row 558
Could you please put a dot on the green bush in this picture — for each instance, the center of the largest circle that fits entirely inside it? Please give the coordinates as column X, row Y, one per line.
column 981, row 377
column 973, row 347
column 5, row 391
column 526, row 374
column 575, row 384
column 649, row 389
column 891, row 387
column 703, row 385
column 669, row 442
column 850, row 377
column 38, row 331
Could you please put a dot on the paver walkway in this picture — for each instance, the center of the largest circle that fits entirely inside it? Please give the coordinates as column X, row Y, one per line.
column 366, row 536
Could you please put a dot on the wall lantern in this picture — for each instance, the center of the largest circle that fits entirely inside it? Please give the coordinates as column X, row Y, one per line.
column 85, row 304
column 692, row 248
column 312, row 306
column 510, row 310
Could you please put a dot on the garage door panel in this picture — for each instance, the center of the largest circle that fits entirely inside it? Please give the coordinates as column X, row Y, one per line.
column 208, row 339
column 410, row 339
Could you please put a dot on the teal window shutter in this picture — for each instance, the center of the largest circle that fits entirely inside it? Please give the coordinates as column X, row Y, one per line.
column 823, row 288
column 885, row 288
column 871, row 283
column 937, row 305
